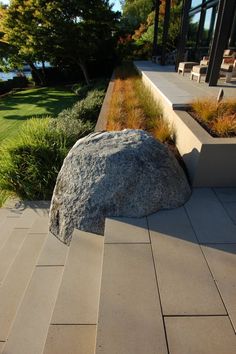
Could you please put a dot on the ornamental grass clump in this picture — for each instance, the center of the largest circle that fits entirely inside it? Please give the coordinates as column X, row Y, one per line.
column 30, row 164
column 133, row 106
column 218, row 118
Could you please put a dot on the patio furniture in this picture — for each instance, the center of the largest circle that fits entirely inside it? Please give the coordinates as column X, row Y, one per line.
column 228, row 68
column 186, row 66
column 204, row 61
column 198, row 71
column 228, row 53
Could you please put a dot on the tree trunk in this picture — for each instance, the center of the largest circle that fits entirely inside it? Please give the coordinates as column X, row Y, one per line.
column 84, row 70
column 43, row 69
column 37, row 73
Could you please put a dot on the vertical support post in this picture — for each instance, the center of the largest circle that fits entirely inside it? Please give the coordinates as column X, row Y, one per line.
column 156, row 21
column 165, row 31
column 220, row 41
column 183, row 32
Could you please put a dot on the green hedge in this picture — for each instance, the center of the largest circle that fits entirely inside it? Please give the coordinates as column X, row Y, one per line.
column 29, row 165
column 85, row 109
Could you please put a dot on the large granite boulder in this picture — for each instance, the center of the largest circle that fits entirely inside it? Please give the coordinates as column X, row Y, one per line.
column 126, row 173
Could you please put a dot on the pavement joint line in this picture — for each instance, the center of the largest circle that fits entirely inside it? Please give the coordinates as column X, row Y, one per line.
column 223, row 205
column 21, row 228
column 38, row 233
column 49, row 265
column 127, row 243
column 194, row 315
column 158, row 289
column 73, row 324
column 216, row 285
column 216, row 243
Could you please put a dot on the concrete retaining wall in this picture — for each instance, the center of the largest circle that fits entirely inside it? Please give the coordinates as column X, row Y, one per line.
column 211, row 162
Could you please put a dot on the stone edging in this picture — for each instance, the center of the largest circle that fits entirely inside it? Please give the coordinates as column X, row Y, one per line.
column 102, row 119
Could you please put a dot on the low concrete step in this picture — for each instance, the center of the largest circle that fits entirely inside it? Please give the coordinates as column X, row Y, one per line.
column 10, row 250
column 130, row 319
column 15, row 283
column 73, row 324
column 30, row 327
column 7, row 227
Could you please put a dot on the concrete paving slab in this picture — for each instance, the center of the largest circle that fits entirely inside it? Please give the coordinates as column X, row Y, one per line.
column 10, row 212
column 126, row 230
column 78, row 297
column 30, row 328
column 2, row 346
column 230, row 208
column 40, row 225
column 16, row 282
column 169, row 82
column 54, row 252
column 185, row 282
column 9, row 251
column 226, row 194
column 222, row 262
column 200, row 335
column 28, row 217
column 130, row 319
column 70, row 339
column 209, row 218
column 6, row 229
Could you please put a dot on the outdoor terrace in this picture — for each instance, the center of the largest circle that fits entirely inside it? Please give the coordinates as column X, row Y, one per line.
column 166, row 283
column 179, row 90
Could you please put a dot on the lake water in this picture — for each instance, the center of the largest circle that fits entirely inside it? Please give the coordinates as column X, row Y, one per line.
column 11, row 74
column 27, row 72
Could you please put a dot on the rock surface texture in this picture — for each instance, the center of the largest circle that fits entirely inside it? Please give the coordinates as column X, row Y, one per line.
column 126, row 173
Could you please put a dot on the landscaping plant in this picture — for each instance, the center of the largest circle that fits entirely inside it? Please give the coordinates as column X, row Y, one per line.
column 85, row 109
column 133, row 106
column 30, row 164
column 218, row 118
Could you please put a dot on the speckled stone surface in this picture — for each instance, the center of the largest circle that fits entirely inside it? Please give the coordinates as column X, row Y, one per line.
column 125, row 173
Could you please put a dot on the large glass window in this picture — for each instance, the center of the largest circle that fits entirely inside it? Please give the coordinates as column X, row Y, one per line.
column 207, row 27
column 232, row 39
column 196, row 3
column 193, row 29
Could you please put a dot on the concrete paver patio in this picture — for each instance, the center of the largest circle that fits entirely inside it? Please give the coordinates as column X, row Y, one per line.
column 193, row 254
column 168, row 282
column 179, row 90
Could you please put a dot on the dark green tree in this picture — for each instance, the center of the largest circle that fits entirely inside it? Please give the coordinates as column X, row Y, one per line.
column 62, row 32
column 136, row 12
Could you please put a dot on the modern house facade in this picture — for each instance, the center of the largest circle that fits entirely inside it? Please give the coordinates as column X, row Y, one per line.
column 208, row 27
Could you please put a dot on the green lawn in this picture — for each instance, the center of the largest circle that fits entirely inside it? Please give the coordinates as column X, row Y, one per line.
column 15, row 109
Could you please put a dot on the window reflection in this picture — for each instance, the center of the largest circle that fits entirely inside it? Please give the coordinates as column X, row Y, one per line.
column 196, row 3
column 193, row 29
column 207, row 27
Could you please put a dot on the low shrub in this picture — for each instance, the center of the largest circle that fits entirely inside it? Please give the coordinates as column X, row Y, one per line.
column 85, row 109
column 72, row 129
column 218, row 118
column 30, row 164
column 82, row 90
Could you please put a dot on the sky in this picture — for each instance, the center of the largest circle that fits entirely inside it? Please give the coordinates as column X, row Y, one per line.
column 116, row 3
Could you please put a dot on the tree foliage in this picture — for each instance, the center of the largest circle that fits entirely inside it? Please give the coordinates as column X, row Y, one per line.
column 136, row 12
column 143, row 33
column 60, row 31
